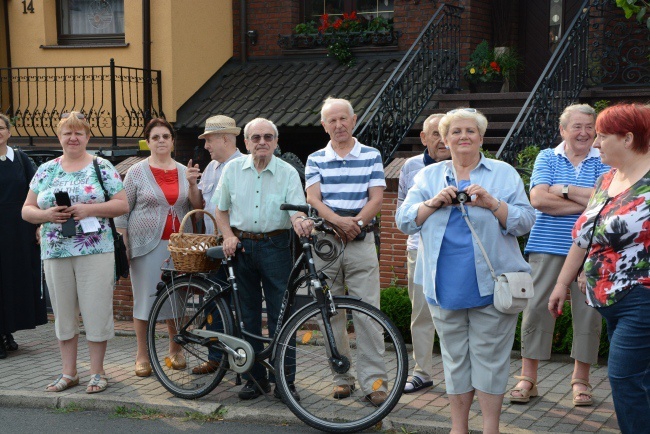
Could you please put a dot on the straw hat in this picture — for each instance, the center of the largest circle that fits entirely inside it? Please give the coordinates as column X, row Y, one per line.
column 220, row 124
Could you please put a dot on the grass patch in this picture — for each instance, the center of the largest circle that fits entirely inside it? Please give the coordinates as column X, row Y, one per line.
column 70, row 408
column 137, row 412
column 202, row 418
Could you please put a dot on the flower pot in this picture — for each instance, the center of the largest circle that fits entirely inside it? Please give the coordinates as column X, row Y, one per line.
column 486, row 87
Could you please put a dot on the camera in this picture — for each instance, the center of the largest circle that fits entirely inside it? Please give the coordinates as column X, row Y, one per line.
column 462, row 197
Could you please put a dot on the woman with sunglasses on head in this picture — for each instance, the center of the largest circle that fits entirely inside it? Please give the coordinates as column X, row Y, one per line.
column 612, row 244
column 475, row 338
column 159, row 196
column 22, row 304
column 66, row 197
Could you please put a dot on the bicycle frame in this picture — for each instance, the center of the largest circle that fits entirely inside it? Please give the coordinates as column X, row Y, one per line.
column 323, row 299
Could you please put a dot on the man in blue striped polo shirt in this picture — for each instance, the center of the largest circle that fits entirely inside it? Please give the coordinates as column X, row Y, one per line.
column 345, row 183
column 560, row 187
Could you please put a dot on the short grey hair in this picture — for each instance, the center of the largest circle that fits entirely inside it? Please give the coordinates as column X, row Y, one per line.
column 427, row 122
column 331, row 101
column 573, row 108
column 460, row 113
column 257, row 121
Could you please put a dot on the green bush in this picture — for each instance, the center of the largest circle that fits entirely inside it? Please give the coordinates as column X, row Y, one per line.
column 395, row 303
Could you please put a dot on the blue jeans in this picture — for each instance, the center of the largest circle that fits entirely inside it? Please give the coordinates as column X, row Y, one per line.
column 266, row 262
column 628, row 329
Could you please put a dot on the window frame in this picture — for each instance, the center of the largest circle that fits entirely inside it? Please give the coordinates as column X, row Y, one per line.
column 307, row 14
column 84, row 38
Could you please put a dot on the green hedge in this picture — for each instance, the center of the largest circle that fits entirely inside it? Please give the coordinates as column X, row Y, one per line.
column 396, row 304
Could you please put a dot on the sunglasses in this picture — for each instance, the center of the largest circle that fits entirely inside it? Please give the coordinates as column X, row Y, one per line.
column 267, row 138
column 78, row 115
column 470, row 110
column 157, row 137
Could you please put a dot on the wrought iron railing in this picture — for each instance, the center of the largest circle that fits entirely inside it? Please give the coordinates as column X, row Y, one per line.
column 118, row 101
column 600, row 49
column 431, row 65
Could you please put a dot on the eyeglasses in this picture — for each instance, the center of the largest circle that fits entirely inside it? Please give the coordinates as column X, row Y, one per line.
column 157, row 137
column 67, row 115
column 267, row 138
column 470, row 110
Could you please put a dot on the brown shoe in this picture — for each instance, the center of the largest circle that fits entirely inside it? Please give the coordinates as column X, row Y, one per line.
column 143, row 369
column 377, row 398
column 344, row 391
column 206, row 368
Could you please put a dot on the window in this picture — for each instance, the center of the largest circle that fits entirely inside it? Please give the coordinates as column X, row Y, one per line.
column 368, row 9
column 90, row 22
column 555, row 24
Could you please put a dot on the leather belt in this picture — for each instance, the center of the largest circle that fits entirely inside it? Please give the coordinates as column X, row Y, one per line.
column 243, row 235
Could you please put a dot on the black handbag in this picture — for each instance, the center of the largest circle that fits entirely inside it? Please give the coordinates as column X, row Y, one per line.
column 121, row 259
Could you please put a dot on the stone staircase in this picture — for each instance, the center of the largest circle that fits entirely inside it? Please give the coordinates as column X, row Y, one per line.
column 501, row 110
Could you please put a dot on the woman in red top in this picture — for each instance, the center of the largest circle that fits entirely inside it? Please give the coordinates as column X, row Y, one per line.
column 159, row 198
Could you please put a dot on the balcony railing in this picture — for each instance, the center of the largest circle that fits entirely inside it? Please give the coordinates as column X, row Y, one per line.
column 118, row 101
column 431, row 65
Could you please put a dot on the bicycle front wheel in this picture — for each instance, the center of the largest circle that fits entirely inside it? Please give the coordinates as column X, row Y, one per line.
column 378, row 363
column 177, row 312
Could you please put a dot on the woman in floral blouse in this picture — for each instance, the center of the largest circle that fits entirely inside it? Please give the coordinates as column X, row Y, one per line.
column 617, row 267
column 79, row 266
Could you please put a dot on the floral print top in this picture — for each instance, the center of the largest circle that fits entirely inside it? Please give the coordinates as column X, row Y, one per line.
column 619, row 257
column 82, row 187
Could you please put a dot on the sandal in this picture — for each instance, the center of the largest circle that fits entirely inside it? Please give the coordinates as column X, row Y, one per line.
column 99, row 381
column 415, row 384
column 576, row 393
column 526, row 394
column 61, row 383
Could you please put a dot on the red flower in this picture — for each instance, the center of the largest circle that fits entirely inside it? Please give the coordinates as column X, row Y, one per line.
column 337, row 23
column 630, row 206
column 578, row 225
column 325, row 20
column 601, row 289
column 608, row 260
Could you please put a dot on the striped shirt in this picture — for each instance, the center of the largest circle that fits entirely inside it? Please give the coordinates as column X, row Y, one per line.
column 552, row 234
column 344, row 181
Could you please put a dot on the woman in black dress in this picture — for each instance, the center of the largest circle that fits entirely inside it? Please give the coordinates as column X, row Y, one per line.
column 22, row 303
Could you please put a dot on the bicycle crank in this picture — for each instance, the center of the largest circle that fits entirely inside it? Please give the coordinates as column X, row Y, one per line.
column 240, row 353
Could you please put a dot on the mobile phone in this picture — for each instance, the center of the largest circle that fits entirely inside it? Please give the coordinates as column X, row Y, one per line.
column 62, row 198
column 68, row 229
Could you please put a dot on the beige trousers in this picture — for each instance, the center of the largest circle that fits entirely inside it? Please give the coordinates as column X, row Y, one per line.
column 538, row 325
column 422, row 328
column 358, row 269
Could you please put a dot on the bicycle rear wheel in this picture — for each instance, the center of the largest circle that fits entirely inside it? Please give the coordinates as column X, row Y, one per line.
column 377, row 357
column 176, row 309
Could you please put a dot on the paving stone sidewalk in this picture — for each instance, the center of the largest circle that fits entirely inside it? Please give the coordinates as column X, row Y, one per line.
column 26, row 372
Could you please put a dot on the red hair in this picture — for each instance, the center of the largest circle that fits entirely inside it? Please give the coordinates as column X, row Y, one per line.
column 621, row 119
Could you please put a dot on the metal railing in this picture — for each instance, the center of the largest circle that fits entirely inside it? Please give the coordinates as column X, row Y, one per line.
column 601, row 48
column 118, row 101
column 431, row 65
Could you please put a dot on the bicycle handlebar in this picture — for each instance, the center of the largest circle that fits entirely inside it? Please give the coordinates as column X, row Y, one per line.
column 307, row 209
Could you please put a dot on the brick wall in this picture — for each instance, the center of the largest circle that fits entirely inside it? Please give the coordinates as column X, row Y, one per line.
column 392, row 252
column 123, row 300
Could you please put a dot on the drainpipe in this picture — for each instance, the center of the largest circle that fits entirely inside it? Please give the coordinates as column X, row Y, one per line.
column 8, row 47
column 242, row 30
column 146, row 58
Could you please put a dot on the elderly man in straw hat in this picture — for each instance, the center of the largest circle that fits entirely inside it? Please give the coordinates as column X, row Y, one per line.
column 220, row 141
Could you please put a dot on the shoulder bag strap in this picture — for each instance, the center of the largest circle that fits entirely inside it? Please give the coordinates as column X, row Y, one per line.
column 591, row 238
column 478, row 241
column 111, row 223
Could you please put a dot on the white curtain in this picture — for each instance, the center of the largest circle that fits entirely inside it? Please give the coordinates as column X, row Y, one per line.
column 94, row 17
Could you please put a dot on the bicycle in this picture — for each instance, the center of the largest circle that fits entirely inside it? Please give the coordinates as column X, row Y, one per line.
column 303, row 346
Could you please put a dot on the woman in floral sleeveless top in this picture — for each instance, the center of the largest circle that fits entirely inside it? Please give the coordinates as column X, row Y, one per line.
column 614, row 232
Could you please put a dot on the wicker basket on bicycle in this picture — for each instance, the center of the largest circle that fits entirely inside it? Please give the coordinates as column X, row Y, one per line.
column 188, row 250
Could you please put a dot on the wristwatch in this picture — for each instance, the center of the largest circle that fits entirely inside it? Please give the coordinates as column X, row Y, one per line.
column 360, row 223
column 565, row 191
